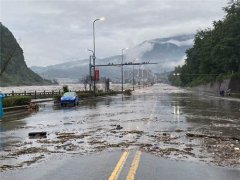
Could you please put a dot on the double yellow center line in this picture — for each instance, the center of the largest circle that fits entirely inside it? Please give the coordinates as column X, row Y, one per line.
column 120, row 164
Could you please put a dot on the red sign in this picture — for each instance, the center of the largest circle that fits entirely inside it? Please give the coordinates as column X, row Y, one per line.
column 97, row 75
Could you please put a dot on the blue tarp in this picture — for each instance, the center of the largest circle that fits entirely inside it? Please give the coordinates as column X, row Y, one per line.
column 1, row 107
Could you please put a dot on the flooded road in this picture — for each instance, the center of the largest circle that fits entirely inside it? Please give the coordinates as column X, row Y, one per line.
column 160, row 120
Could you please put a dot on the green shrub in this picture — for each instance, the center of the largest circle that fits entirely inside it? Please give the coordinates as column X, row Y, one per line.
column 128, row 92
column 16, row 101
column 84, row 95
column 88, row 94
column 57, row 97
column 65, row 89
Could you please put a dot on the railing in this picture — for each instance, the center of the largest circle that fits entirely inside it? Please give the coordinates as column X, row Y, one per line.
column 39, row 95
column 35, row 94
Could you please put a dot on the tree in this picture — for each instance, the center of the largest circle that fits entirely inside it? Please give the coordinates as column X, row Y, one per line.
column 7, row 61
column 86, row 80
column 215, row 51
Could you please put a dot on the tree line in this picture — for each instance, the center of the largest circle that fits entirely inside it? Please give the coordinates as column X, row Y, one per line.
column 215, row 54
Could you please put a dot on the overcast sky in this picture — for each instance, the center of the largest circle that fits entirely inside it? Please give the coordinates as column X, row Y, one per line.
column 56, row 31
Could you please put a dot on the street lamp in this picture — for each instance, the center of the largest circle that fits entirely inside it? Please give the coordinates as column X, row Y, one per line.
column 122, row 66
column 90, row 70
column 94, row 53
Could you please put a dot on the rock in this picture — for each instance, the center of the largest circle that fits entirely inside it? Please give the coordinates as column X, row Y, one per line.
column 119, row 127
column 179, row 130
column 188, row 149
column 165, row 134
column 37, row 134
column 236, row 149
column 33, row 107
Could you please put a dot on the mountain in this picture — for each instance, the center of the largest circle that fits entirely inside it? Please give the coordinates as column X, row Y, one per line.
column 13, row 69
column 75, row 70
column 167, row 52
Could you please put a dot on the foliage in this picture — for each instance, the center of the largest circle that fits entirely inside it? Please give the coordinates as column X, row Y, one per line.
column 108, row 93
column 16, row 101
column 65, row 89
column 88, row 94
column 215, row 54
column 128, row 92
column 57, row 97
column 236, row 76
column 86, row 80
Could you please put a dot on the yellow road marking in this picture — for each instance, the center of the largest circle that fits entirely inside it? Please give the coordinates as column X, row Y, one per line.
column 118, row 168
column 134, row 166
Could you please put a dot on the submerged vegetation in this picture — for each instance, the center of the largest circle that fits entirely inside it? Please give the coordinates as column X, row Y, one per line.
column 215, row 54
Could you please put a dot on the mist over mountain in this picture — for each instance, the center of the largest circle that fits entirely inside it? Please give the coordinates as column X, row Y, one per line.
column 167, row 52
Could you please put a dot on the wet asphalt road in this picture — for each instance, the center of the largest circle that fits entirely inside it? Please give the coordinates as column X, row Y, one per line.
column 100, row 166
column 83, row 142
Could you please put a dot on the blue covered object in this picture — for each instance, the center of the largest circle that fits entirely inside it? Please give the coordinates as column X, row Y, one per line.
column 1, row 105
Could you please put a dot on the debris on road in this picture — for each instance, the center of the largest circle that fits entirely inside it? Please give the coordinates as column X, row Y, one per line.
column 119, row 127
column 212, row 136
column 37, row 135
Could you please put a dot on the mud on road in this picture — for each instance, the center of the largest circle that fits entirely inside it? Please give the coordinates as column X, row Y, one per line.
column 156, row 120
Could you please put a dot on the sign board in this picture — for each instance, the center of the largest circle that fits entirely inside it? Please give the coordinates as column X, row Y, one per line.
column 96, row 74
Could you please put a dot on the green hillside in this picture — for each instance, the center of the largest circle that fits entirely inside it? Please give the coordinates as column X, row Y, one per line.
column 215, row 54
column 13, row 69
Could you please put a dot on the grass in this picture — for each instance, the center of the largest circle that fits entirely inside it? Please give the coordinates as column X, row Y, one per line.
column 16, row 101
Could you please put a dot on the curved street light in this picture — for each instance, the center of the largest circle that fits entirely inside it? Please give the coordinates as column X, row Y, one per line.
column 94, row 53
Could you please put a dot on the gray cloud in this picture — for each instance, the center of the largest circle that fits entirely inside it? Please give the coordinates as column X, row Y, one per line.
column 55, row 31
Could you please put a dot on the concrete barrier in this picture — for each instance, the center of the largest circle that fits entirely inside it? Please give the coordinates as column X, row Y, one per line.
column 215, row 87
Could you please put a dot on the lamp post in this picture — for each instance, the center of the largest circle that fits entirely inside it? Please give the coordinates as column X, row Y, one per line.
column 90, row 70
column 122, row 66
column 94, row 54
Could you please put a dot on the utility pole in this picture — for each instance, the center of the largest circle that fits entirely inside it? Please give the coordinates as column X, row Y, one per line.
column 122, row 66
column 90, row 69
column 94, row 55
column 90, row 73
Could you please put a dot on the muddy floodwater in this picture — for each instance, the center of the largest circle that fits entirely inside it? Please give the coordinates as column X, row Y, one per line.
column 161, row 120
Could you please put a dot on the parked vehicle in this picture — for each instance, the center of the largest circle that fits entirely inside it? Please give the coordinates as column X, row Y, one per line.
column 69, row 98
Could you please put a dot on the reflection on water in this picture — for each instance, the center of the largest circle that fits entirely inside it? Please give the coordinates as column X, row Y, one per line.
column 209, row 114
column 176, row 113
